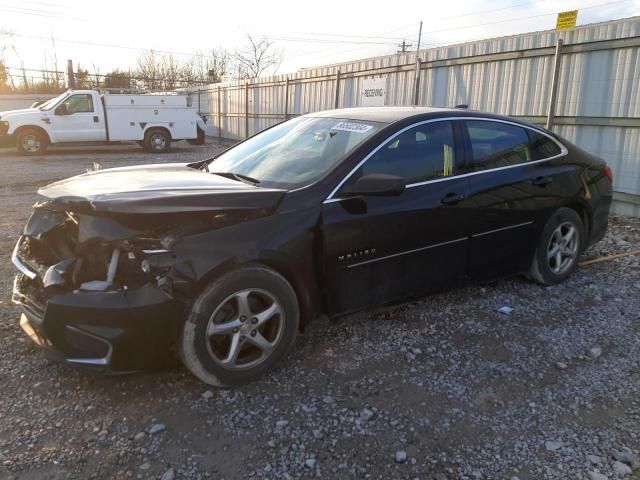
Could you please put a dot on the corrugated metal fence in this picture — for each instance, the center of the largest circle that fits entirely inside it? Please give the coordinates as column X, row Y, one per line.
column 598, row 96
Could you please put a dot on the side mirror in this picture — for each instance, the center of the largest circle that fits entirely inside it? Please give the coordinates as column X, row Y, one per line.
column 61, row 109
column 376, row 184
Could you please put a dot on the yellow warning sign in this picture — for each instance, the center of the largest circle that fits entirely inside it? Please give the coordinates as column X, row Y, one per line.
column 567, row 20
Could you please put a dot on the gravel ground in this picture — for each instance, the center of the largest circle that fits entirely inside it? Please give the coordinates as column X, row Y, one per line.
column 441, row 388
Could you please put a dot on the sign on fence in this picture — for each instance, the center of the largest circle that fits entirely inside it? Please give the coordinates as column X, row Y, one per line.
column 567, row 20
column 373, row 92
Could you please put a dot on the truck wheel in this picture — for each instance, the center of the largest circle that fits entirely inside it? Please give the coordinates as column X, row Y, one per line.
column 241, row 325
column 199, row 140
column 31, row 141
column 157, row 140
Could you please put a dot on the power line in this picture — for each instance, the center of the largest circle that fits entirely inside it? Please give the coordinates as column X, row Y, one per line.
column 96, row 44
column 412, row 25
column 320, row 40
column 521, row 18
column 30, row 12
column 443, row 18
column 478, row 25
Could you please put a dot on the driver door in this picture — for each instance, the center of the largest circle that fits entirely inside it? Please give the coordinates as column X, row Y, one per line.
column 76, row 120
column 383, row 249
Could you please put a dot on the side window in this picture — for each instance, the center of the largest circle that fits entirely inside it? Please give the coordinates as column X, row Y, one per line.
column 495, row 144
column 422, row 153
column 79, row 103
column 542, row 146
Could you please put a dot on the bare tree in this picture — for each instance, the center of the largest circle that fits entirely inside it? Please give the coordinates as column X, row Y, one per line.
column 4, row 71
column 149, row 69
column 118, row 79
column 169, row 72
column 218, row 65
column 257, row 57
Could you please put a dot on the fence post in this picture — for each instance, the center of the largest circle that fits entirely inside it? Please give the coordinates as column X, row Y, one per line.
column 246, row 110
column 416, row 93
column 286, row 99
column 554, row 84
column 219, row 117
column 337, row 99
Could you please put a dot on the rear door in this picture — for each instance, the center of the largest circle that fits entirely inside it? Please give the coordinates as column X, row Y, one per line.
column 80, row 121
column 514, row 186
column 384, row 249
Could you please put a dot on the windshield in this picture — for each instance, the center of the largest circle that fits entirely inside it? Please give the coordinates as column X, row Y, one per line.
column 50, row 103
column 295, row 153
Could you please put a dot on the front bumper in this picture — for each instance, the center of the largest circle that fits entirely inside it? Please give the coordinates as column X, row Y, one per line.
column 7, row 140
column 118, row 331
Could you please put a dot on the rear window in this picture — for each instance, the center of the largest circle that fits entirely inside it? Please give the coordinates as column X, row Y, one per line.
column 496, row 144
column 542, row 146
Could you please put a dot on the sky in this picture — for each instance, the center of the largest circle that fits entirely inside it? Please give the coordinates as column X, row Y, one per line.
column 101, row 36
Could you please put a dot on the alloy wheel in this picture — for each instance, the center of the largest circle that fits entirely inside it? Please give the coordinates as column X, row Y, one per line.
column 562, row 250
column 245, row 329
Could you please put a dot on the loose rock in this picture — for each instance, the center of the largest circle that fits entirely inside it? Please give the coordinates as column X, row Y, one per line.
column 168, row 475
column 157, row 428
column 622, row 469
column 552, row 446
column 595, row 352
column 401, row 456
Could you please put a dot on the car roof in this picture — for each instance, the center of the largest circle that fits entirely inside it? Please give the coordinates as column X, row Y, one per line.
column 378, row 114
column 395, row 114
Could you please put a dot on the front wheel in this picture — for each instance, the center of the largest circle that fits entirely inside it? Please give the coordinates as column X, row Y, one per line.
column 31, row 141
column 240, row 326
column 560, row 244
column 157, row 140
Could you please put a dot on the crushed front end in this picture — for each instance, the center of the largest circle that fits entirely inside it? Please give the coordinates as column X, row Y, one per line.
column 98, row 291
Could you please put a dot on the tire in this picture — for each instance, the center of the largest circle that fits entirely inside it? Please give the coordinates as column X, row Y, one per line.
column 157, row 140
column 550, row 268
column 217, row 323
column 199, row 140
column 31, row 141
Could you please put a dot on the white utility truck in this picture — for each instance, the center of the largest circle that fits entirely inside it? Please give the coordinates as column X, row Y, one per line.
column 152, row 120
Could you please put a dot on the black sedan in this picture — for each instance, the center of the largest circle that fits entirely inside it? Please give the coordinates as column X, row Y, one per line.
column 225, row 260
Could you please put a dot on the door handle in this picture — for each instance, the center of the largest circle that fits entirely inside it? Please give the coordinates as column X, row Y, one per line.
column 96, row 119
column 46, row 119
column 452, row 198
column 541, row 181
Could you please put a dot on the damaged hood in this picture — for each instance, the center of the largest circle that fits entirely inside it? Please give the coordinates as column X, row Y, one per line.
column 163, row 188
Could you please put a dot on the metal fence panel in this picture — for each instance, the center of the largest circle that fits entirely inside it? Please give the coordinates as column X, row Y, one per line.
column 598, row 97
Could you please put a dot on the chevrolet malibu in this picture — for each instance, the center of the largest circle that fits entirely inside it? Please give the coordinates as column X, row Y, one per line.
column 226, row 259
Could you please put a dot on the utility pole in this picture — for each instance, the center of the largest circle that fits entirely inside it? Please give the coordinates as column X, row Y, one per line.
column 71, row 79
column 417, row 89
column 404, row 46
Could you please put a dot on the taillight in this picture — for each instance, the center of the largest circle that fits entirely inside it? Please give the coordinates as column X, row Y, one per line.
column 607, row 172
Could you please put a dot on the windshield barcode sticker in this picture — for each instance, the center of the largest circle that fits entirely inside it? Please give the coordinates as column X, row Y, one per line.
column 352, row 127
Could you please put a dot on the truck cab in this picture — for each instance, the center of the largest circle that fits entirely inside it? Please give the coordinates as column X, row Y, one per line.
column 154, row 121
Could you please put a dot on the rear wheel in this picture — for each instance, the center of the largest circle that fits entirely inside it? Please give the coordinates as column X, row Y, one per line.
column 240, row 326
column 199, row 140
column 31, row 142
column 157, row 140
column 560, row 244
